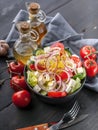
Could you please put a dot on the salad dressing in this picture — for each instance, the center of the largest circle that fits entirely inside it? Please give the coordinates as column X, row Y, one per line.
column 24, row 46
column 36, row 20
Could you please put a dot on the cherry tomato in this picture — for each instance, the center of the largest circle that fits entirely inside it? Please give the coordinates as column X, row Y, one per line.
column 32, row 67
column 18, row 83
column 56, row 94
column 21, row 98
column 76, row 60
column 91, row 67
column 60, row 45
column 64, row 75
column 16, row 67
column 86, row 50
column 41, row 67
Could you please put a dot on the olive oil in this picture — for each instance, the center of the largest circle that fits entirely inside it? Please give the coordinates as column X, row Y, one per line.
column 41, row 29
column 24, row 46
column 23, row 54
column 36, row 20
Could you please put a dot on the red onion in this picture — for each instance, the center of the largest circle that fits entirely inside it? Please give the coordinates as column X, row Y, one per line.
column 37, row 68
column 42, row 81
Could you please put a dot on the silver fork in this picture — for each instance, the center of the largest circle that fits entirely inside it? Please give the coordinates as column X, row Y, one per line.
column 67, row 117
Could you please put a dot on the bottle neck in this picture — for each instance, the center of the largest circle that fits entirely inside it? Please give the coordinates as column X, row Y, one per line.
column 33, row 17
column 24, row 37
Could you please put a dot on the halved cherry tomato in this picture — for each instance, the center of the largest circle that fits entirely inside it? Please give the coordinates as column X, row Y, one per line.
column 32, row 67
column 57, row 77
column 64, row 75
column 91, row 67
column 60, row 45
column 40, row 65
column 56, row 94
column 86, row 50
column 76, row 60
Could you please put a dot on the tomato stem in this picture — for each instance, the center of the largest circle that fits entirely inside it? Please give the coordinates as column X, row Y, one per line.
column 16, row 62
column 15, row 73
column 91, row 54
column 19, row 75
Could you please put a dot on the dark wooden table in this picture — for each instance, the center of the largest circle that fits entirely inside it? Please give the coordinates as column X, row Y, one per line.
column 83, row 17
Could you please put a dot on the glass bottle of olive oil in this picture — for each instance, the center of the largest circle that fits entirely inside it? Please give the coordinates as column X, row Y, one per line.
column 36, row 20
column 24, row 46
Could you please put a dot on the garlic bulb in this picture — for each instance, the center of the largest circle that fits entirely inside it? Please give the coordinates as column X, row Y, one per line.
column 3, row 48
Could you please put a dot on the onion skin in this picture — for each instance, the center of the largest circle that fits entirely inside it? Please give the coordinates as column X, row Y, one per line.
column 3, row 48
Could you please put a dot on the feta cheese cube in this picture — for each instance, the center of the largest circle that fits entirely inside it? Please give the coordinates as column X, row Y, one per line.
column 46, row 49
column 80, row 70
column 71, row 84
column 37, row 88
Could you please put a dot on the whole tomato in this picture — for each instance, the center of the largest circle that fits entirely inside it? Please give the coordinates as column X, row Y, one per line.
column 91, row 67
column 88, row 52
column 21, row 98
column 16, row 67
column 18, row 83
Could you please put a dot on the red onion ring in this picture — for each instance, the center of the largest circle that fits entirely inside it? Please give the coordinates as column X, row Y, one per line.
column 36, row 66
column 59, row 82
column 41, row 84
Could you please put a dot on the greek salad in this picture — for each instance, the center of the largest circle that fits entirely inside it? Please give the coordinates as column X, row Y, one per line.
column 54, row 71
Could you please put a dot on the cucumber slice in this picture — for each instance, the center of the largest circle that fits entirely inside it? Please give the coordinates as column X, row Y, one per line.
column 77, row 86
column 31, row 78
column 39, row 52
column 42, row 92
column 80, row 75
column 68, row 51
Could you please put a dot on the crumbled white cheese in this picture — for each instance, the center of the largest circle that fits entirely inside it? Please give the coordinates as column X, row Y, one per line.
column 80, row 70
column 37, row 88
column 71, row 84
column 36, row 73
column 46, row 49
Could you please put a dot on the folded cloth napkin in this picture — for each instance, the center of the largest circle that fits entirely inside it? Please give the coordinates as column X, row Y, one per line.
column 59, row 30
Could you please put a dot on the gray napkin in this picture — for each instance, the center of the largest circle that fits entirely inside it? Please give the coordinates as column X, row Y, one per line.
column 59, row 30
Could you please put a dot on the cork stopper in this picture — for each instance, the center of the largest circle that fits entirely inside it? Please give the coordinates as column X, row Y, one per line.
column 34, row 8
column 24, row 27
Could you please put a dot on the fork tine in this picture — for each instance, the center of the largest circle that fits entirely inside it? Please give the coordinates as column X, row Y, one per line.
column 67, row 117
column 75, row 110
column 75, row 104
column 75, row 113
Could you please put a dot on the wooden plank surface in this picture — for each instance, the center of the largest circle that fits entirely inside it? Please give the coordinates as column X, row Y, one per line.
column 83, row 17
